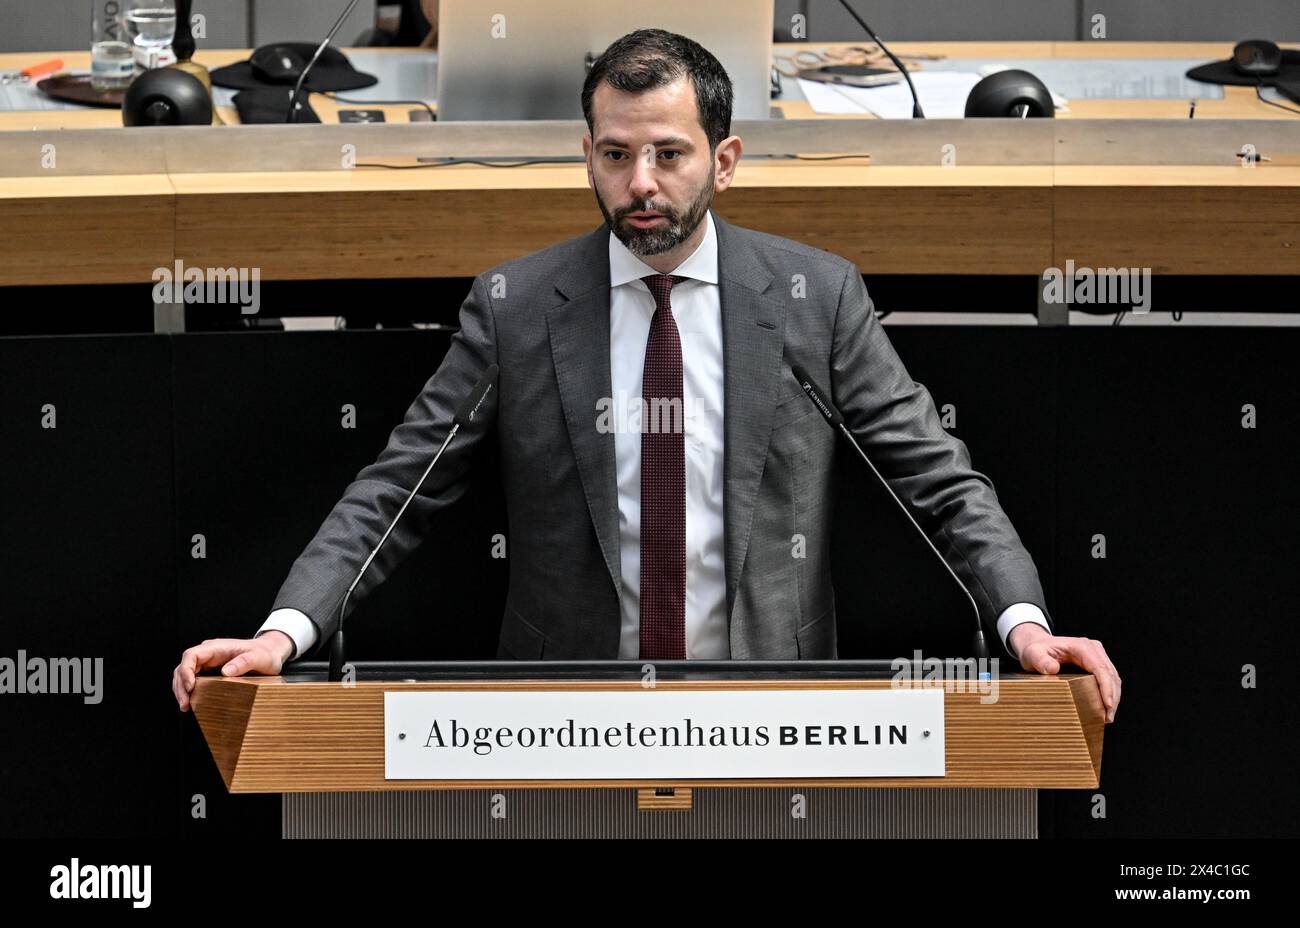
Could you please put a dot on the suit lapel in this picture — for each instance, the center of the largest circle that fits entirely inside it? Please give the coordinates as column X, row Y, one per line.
column 578, row 328
column 753, row 327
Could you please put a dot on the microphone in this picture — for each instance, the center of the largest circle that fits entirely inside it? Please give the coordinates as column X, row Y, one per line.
column 297, row 88
column 464, row 415
column 916, row 101
column 821, row 399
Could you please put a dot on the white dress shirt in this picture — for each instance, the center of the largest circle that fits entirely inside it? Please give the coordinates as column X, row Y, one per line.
column 697, row 310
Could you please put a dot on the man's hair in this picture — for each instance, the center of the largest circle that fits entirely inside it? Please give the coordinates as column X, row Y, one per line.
column 650, row 58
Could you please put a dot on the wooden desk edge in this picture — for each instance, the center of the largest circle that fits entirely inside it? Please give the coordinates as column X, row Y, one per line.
column 225, row 708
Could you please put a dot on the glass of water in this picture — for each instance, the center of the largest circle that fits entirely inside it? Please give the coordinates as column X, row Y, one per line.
column 151, row 26
column 112, row 60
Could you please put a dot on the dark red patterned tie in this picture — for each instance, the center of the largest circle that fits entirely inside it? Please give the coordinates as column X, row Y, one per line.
column 663, row 484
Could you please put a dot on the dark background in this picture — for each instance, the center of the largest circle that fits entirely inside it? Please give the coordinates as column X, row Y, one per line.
column 1130, row 432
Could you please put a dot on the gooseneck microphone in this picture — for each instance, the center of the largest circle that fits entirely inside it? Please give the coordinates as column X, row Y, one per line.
column 916, row 101
column 297, row 88
column 464, row 415
column 821, row 399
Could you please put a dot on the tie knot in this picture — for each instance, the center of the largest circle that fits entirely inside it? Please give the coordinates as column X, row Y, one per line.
column 661, row 286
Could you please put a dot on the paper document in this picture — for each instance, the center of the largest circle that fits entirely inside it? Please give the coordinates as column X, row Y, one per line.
column 942, row 93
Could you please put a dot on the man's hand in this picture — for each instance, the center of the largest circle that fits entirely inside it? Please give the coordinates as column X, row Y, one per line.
column 1042, row 652
column 264, row 654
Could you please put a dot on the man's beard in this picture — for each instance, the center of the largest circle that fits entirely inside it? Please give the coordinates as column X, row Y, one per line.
column 665, row 236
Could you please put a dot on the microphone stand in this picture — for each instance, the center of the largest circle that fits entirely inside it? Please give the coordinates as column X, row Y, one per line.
column 337, row 656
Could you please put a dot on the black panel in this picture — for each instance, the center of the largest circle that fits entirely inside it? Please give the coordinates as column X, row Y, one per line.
column 262, row 456
column 892, row 594
column 88, row 572
column 1199, row 516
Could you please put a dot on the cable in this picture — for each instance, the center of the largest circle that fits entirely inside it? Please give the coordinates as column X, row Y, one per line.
column 808, row 58
column 432, row 114
column 1259, row 93
column 826, row 157
column 519, row 164
column 447, row 161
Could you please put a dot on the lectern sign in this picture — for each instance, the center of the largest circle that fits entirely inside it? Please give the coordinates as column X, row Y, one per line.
column 662, row 734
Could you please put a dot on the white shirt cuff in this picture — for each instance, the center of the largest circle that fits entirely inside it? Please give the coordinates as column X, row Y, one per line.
column 1018, row 614
column 296, row 625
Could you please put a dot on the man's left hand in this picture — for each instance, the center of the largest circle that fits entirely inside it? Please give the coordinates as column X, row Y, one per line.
column 1042, row 652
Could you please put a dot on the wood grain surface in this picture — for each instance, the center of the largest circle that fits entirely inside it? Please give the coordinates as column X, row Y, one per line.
column 271, row 736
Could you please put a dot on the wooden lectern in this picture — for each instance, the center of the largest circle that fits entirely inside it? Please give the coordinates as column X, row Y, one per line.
column 321, row 744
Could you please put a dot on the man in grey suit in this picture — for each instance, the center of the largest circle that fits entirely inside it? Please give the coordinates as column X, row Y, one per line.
column 668, row 482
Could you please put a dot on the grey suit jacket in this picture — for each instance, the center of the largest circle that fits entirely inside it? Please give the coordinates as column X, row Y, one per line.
column 544, row 318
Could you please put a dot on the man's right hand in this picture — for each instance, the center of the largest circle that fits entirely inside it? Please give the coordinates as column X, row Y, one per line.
column 264, row 654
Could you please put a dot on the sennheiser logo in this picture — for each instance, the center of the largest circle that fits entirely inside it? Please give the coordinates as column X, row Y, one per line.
column 481, row 400
column 104, row 881
column 812, row 394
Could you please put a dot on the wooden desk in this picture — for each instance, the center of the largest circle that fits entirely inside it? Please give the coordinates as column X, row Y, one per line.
column 267, row 735
column 1237, row 103
column 323, row 746
column 460, row 220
